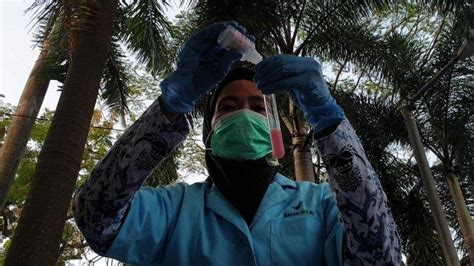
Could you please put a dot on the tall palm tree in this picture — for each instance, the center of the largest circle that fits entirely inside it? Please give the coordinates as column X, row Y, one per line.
column 37, row 238
column 418, row 66
column 28, row 106
column 445, row 117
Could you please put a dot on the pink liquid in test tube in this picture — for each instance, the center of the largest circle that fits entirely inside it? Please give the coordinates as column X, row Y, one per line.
column 278, row 149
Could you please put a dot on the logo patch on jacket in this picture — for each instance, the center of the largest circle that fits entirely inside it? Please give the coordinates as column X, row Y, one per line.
column 299, row 209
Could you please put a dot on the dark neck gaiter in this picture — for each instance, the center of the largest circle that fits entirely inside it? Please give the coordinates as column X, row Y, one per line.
column 242, row 183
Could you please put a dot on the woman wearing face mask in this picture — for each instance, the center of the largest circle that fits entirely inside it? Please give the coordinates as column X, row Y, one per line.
column 246, row 213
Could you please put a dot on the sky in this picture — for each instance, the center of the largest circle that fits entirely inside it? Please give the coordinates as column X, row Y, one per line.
column 17, row 55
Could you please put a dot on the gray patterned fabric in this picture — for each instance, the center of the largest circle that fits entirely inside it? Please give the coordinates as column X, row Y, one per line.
column 102, row 202
column 372, row 237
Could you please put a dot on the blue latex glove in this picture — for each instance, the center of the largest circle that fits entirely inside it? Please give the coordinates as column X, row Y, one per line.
column 201, row 65
column 302, row 78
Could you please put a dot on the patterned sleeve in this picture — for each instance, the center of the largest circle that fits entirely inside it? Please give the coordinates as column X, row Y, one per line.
column 102, row 202
column 371, row 234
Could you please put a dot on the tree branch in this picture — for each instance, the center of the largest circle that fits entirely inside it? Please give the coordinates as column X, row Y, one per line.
column 343, row 65
column 358, row 79
column 287, row 33
column 445, row 128
column 279, row 40
column 309, row 38
column 433, row 44
column 297, row 24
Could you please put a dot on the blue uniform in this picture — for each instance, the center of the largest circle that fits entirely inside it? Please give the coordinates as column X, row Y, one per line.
column 297, row 223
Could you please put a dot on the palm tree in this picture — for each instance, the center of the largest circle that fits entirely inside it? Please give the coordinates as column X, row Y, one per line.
column 37, row 237
column 445, row 115
column 28, row 107
column 417, row 67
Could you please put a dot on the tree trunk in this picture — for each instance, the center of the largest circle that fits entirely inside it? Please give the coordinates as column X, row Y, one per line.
column 20, row 128
column 304, row 169
column 465, row 221
column 27, row 110
column 428, row 182
column 37, row 238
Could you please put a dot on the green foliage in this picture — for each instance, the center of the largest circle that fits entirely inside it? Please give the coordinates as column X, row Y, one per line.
column 185, row 26
column 5, row 119
column 445, row 118
column 419, row 224
column 6, row 245
column 115, row 89
column 146, row 32
column 73, row 245
column 98, row 143
column 141, row 26
column 21, row 185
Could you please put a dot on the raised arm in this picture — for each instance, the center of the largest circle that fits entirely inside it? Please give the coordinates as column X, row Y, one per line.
column 101, row 204
column 371, row 236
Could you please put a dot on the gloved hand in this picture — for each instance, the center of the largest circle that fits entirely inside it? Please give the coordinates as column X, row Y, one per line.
column 201, row 65
column 302, row 78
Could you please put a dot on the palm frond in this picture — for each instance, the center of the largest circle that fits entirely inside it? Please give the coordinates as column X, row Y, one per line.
column 371, row 114
column 43, row 15
column 260, row 18
column 146, row 32
column 115, row 81
column 423, row 247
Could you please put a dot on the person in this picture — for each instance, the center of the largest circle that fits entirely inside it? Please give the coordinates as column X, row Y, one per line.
column 245, row 213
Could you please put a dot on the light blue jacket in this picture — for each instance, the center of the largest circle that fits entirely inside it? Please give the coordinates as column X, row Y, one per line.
column 297, row 223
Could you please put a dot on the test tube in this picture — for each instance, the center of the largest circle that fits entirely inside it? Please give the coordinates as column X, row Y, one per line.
column 278, row 150
column 231, row 38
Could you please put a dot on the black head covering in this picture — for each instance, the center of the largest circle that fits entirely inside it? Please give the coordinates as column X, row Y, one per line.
column 238, row 73
column 243, row 183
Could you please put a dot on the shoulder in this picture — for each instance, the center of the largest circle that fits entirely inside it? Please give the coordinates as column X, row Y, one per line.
column 175, row 191
column 314, row 188
column 307, row 190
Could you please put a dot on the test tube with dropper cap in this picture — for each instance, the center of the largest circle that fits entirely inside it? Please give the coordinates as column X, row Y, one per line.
column 230, row 39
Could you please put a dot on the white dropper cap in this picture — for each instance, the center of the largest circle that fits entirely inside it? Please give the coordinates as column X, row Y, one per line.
column 231, row 38
column 252, row 56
